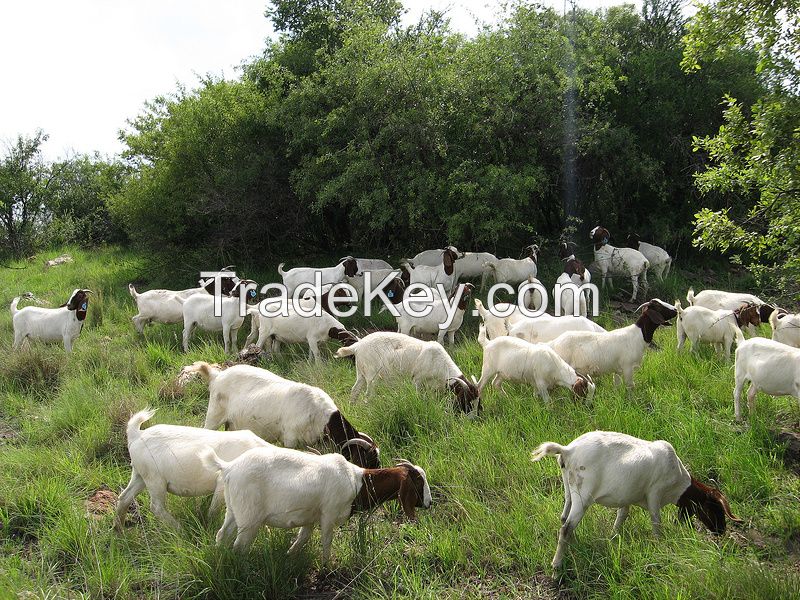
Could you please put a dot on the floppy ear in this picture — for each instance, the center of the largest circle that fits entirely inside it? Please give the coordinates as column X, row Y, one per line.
column 447, row 260
column 655, row 316
column 408, row 495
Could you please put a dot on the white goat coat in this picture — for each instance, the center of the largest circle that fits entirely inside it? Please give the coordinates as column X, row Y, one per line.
column 294, row 277
column 274, row 408
column 498, row 326
column 166, row 458
column 701, row 324
column 511, row 359
column 472, row 264
column 568, row 296
column 769, row 366
column 160, row 306
column 198, row 311
column 596, row 353
column 372, row 264
column 618, row 471
column 625, row 262
column 429, row 258
column 511, row 270
column 718, row 299
column 547, row 327
column 659, row 259
column 429, row 324
column 385, row 356
column 431, row 276
column 45, row 324
column 785, row 328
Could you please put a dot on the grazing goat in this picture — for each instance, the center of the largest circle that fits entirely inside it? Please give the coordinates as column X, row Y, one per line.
column 198, row 311
column 444, row 272
column 770, row 367
column 277, row 409
column 286, row 488
column 347, row 267
column 546, row 327
column 717, row 327
column 429, row 324
column 625, row 262
column 719, row 300
column 166, row 458
column 785, row 327
column 619, row 471
column 295, row 328
column 512, row 359
column 50, row 324
column 384, row 356
column 512, row 271
column 160, row 306
column 498, row 326
column 619, row 351
column 660, row 261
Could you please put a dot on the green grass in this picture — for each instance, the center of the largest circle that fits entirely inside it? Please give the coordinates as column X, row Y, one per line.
column 492, row 527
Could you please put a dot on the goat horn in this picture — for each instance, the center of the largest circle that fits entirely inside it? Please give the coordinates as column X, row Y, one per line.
column 641, row 307
column 358, row 442
column 313, row 451
column 475, row 381
column 88, row 292
column 402, row 462
column 366, row 437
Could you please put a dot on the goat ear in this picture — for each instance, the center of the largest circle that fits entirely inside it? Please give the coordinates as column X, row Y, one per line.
column 447, row 260
column 655, row 316
column 408, row 496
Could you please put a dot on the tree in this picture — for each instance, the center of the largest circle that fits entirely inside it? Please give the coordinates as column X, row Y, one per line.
column 25, row 181
column 755, row 155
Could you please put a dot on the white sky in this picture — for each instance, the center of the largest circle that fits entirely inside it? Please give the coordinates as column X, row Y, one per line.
column 79, row 68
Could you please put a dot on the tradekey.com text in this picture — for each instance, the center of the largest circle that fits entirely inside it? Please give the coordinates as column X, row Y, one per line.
column 417, row 300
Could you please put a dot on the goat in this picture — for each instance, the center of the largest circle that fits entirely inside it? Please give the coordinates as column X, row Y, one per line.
column 473, row 264
column 278, row 409
column 50, row 324
column 618, row 471
column 159, row 306
column 293, row 327
column 495, row 325
column 286, row 488
column 431, row 258
column 770, row 367
column 721, row 300
column 429, row 324
column 166, row 458
column 198, row 311
column 716, row 327
column 347, row 267
column 444, row 273
column 385, row 356
column 512, row 359
column 659, row 259
column 546, row 327
column 372, row 264
column 576, row 273
column 618, row 261
column 619, row 351
column 512, row 271
column 785, row 327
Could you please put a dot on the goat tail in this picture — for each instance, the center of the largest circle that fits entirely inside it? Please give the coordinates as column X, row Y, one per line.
column 346, row 351
column 678, row 308
column 281, row 272
column 739, row 336
column 132, row 291
column 482, row 335
column 14, row 303
column 212, row 462
column 207, row 371
column 134, row 428
column 690, row 296
column 773, row 319
column 547, row 449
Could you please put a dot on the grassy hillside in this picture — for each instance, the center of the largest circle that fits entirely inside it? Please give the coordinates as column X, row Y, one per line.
column 491, row 530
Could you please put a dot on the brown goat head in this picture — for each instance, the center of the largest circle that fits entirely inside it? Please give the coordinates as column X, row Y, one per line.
column 708, row 504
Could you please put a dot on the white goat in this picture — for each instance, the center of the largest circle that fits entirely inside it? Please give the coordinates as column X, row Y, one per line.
column 770, row 367
column 429, row 324
column 495, row 325
column 718, row 327
column 372, row 264
column 430, row 258
column 785, row 328
column 280, row 410
column 198, row 311
column 512, row 359
column 385, row 356
column 443, row 273
column 659, row 259
column 286, row 488
column 50, row 324
column 513, row 271
column 295, row 328
column 473, row 264
column 547, row 327
column 619, row 471
column 625, row 262
column 347, row 267
column 166, row 458
column 619, row 351
column 719, row 300
column 160, row 306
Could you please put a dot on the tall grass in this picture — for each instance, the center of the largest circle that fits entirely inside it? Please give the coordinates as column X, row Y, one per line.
column 491, row 530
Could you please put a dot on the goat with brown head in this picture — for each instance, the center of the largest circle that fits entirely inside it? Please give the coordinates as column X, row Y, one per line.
column 350, row 266
column 449, row 257
column 355, row 446
column 633, row 241
column 707, row 504
column 600, row 236
column 406, row 482
column 655, row 312
column 79, row 302
column 748, row 314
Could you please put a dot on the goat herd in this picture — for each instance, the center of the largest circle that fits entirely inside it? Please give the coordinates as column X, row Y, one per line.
column 283, row 487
